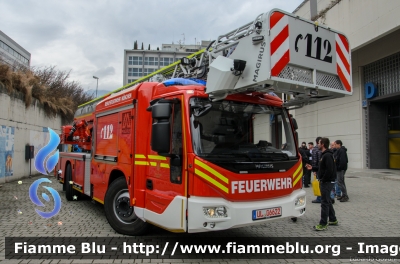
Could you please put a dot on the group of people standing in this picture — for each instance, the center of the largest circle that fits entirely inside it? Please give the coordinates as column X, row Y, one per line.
column 328, row 162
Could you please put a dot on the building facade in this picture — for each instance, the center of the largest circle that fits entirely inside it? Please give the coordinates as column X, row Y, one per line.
column 368, row 122
column 12, row 53
column 139, row 63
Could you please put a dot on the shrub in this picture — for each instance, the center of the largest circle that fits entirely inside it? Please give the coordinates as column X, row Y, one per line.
column 50, row 86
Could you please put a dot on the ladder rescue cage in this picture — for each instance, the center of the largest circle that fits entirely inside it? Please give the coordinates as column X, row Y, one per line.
column 276, row 52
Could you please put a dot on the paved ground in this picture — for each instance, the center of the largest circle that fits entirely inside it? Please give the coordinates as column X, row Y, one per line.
column 373, row 211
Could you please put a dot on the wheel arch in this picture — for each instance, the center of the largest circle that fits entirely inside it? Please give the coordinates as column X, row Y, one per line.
column 119, row 209
column 115, row 174
column 68, row 162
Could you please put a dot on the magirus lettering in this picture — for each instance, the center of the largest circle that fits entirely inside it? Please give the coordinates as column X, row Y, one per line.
column 259, row 60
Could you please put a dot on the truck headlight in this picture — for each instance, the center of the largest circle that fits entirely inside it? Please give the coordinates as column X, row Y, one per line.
column 215, row 212
column 300, row 201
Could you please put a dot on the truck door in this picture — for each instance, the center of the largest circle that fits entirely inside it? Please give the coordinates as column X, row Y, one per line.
column 166, row 182
column 126, row 127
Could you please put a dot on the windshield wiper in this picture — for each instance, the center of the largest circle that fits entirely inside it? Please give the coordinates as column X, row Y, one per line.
column 283, row 156
column 252, row 157
column 275, row 154
column 229, row 155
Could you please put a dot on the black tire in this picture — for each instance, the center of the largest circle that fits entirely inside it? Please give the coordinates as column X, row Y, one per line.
column 294, row 219
column 120, row 215
column 69, row 191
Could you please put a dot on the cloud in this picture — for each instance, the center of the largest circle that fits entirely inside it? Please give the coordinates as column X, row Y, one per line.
column 105, row 71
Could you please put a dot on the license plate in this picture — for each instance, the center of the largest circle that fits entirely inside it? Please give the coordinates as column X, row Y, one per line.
column 267, row 213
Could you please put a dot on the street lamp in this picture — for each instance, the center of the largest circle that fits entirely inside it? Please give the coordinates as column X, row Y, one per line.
column 97, row 86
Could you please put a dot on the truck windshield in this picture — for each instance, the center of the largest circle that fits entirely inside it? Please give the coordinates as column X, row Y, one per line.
column 230, row 131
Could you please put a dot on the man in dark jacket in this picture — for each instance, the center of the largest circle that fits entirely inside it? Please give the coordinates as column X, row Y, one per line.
column 341, row 167
column 305, row 155
column 316, row 157
column 336, row 188
column 327, row 175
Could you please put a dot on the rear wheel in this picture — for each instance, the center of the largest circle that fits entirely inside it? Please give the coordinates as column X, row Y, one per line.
column 69, row 191
column 120, row 215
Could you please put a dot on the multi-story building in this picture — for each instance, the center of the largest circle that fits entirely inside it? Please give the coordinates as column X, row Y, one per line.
column 368, row 122
column 139, row 63
column 12, row 53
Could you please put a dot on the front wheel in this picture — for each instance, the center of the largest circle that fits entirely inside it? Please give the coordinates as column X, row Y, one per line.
column 120, row 215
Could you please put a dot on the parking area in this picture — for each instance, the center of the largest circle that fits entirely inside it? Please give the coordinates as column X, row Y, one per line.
column 371, row 212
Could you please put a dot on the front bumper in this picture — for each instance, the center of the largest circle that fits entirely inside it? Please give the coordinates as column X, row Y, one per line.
column 239, row 214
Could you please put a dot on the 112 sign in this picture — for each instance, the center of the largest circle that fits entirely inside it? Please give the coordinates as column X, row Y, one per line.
column 318, row 46
column 106, row 132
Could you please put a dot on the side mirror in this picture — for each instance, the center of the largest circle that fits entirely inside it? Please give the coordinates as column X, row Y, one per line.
column 161, row 137
column 161, row 128
column 161, row 111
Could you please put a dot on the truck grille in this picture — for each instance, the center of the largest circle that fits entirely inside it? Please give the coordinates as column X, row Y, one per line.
column 296, row 74
column 304, row 75
column 330, row 81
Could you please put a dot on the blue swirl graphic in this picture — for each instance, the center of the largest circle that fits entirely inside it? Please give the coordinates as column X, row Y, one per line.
column 45, row 151
column 35, row 199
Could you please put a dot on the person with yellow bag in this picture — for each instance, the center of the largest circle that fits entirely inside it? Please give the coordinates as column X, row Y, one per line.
column 315, row 159
column 327, row 176
column 315, row 186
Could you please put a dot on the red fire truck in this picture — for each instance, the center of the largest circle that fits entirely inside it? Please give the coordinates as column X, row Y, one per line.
column 213, row 147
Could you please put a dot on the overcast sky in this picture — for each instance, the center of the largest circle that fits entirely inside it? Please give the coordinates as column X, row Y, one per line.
column 88, row 37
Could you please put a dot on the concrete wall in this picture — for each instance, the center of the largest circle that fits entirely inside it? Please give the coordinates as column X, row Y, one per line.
column 372, row 29
column 363, row 21
column 28, row 123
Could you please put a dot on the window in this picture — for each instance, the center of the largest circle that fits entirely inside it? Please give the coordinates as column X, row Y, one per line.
column 151, row 61
column 131, row 80
column 132, row 60
column 135, row 72
column 166, row 61
column 14, row 53
column 237, row 135
column 147, row 71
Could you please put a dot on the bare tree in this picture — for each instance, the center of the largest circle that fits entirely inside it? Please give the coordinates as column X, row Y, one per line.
column 51, row 87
